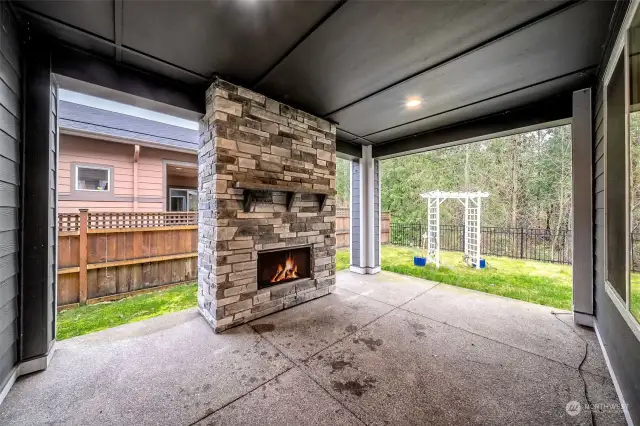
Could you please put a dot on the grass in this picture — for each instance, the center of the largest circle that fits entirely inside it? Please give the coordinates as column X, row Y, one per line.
column 90, row 318
column 537, row 282
column 342, row 259
column 543, row 283
column 635, row 296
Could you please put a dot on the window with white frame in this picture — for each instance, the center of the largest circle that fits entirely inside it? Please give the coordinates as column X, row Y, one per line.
column 633, row 55
column 92, row 178
column 183, row 200
column 622, row 175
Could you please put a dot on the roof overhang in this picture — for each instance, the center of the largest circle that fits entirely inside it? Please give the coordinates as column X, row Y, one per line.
column 128, row 141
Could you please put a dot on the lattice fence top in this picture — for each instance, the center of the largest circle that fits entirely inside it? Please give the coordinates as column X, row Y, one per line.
column 70, row 222
column 342, row 211
column 106, row 220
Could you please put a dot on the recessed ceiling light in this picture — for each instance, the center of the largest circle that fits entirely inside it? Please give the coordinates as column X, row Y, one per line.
column 178, row 168
column 411, row 103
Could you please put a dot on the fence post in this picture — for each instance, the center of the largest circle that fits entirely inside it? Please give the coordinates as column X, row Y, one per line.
column 82, row 263
column 521, row 243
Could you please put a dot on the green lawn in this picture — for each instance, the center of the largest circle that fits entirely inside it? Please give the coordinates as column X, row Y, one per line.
column 543, row 283
column 342, row 259
column 537, row 282
column 90, row 318
column 635, row 295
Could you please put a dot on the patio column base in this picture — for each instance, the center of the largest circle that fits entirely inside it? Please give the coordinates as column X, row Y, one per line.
column 582, row 319
column 365, row 208
column 27, row 367
column 364, row 271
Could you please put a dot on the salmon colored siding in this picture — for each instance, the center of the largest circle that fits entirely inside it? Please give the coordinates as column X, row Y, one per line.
column 181, row 182
column 119, row 158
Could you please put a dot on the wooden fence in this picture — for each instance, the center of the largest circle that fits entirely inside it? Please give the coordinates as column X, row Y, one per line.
column 342, row 227
column 106, row 256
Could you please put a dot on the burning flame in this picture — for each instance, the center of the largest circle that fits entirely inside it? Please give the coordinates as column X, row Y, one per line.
column 286, row 272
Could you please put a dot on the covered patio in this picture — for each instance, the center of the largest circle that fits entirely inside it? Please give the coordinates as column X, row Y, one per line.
column 281, row 90
column 382, row 349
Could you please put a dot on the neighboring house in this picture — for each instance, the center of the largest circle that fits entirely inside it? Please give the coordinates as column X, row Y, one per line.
column 117, row 162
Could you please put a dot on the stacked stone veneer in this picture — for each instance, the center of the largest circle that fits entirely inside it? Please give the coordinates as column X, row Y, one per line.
column 245, row 137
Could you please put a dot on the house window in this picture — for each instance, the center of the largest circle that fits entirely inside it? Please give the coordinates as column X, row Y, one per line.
column 633, row 54
column 183, row 200
column 622, row 176
column 90, row 178
column 615, row 187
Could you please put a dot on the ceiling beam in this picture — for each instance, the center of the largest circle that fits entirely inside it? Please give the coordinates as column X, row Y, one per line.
column 121, row 83
column 548, row 113
column 39, row 16
column 117, row 27
column 360, row 139
column 563, row 7
column 617, row 18
column 317, row 25
column 348, row 150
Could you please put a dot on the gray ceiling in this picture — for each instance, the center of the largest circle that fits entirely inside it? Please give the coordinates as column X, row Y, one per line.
column 353, row 62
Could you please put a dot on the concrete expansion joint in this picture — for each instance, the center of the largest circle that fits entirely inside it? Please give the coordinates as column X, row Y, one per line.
column 584, row 358
column 489, row 338
column 241, row 396
column 302, row 367
column 400, row 307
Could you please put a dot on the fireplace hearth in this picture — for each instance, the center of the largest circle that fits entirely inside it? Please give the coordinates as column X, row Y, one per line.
column 281, row 266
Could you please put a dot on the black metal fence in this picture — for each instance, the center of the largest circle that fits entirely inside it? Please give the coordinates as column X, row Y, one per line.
column 518, row 243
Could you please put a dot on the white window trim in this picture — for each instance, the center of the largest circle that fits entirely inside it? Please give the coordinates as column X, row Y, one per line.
column 628, row 317
column 620, row 48
column 187, row 197
column 78, row 167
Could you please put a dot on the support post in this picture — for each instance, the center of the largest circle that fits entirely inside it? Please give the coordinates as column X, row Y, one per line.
column 582, row 197
column 38, row 279
column 365, row 213
column 82, row 262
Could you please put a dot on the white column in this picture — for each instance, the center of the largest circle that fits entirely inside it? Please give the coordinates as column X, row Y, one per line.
column 582, row 197
column 365, row 214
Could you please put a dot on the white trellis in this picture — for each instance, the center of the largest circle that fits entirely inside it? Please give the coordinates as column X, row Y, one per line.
column 472, row 202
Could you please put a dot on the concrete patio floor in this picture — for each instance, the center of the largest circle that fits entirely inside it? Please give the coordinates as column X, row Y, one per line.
column 383, row 349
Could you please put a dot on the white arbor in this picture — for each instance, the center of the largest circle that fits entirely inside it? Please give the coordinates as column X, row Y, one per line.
column 472, row 202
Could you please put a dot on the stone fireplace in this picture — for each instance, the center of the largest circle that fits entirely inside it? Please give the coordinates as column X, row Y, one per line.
column 266, row 206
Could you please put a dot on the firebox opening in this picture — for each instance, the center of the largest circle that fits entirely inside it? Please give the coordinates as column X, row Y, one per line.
column 281, row 266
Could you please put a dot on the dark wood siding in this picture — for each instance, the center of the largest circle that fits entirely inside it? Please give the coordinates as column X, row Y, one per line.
column 622, row 346
column 10, row 156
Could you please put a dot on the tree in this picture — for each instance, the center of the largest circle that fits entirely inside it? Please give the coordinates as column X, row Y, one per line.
column 528, row 177
column 342, row 182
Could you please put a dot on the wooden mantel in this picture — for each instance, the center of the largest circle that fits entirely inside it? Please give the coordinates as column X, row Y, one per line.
column 291, row 191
